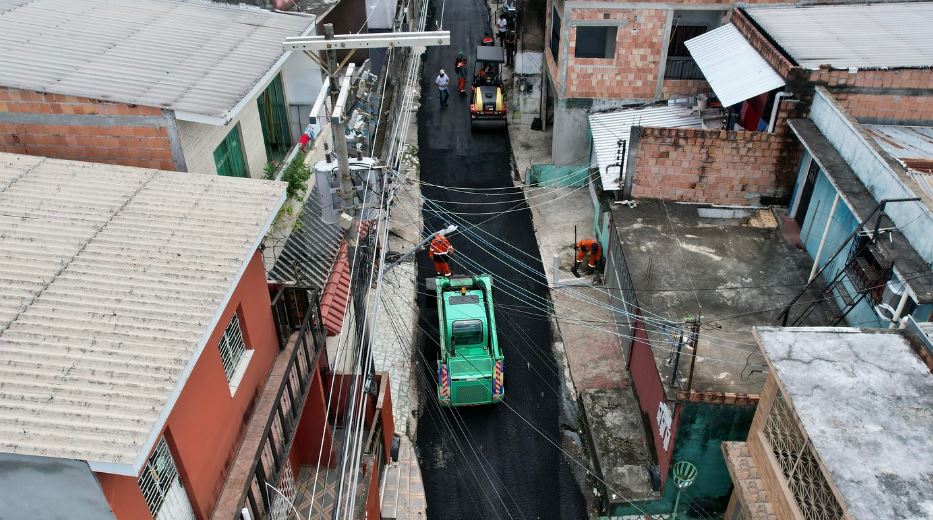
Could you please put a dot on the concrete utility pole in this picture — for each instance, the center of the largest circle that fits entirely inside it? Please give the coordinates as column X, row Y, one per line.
column 339, row 130
column 330, row 44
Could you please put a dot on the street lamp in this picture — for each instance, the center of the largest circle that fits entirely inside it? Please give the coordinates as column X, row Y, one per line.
column 684, row 474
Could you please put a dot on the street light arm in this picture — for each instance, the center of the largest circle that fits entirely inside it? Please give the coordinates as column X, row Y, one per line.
column 446, row 231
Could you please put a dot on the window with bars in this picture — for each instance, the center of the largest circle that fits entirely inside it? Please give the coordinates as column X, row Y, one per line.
column 231, row 346
column 794, row 453
column 158, row 477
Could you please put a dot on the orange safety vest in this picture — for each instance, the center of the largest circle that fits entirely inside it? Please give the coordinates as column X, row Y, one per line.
column 588, row 245
column 440, row 246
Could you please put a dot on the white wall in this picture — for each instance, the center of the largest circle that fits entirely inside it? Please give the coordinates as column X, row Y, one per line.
column 198, row 141
column 302, row 80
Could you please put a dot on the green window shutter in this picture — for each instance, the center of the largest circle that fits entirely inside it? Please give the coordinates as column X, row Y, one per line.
column 273, row 117
column 229, row 157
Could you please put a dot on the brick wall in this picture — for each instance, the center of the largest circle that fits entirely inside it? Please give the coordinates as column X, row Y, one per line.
column 633, row 72
column 712, row 166
column 760, row 43
column 71, row 127
column 870, row 108
column 684, row 87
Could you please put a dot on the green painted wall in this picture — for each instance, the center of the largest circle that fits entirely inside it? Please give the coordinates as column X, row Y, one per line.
column 553, row 175
column 701, row 430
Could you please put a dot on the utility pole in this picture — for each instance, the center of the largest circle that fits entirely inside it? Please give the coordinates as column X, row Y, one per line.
column 329, row 44
column 694, row 339
column 339, row 129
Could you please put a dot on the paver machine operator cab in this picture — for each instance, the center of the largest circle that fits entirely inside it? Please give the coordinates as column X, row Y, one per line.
column 488, row 109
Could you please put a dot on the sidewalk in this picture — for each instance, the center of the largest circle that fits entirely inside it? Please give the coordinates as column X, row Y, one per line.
column 402, row 491
column 612, row 423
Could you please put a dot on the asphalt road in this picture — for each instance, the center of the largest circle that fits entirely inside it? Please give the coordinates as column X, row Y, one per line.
column 499, row 461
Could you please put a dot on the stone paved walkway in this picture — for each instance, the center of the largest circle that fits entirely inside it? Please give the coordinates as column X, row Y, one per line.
column 403, row 490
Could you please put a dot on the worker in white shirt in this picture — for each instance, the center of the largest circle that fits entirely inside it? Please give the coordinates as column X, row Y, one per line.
column 442, row 81
column 501, row 28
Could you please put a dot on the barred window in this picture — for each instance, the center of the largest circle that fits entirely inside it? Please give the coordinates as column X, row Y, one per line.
column 158, row 477
column 794, row 453
column 231, row 346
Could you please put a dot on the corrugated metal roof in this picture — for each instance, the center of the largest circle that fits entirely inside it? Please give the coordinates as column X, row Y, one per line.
column 196, row 58
column 309, row 251
column 912, row 146
column 852, row 35
column 111, row 280
column 732, row 66
column 904, row 142
column 608, row 128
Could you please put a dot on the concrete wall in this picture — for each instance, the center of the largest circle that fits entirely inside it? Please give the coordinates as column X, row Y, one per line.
column 50, row 489
column 206, row 423
column 711, row 166
column 862, row 155
column 71, row 127
column 199, row 140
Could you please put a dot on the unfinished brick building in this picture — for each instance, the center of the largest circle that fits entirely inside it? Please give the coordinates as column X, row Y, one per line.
column 733, row 147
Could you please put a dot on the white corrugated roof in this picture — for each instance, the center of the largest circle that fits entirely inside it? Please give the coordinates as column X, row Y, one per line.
column 111, row 280
column 196, row 58
column 732, row 66
column 608, row 128
column 852, row 35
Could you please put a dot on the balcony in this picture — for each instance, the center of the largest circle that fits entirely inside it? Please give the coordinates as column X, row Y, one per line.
column 682, row 67
column 263, row 454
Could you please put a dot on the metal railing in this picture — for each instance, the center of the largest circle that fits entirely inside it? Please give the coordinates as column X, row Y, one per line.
column 305, row 350
column 679, row 67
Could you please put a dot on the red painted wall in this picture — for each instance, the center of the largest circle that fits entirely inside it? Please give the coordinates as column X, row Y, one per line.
column 125, row 498
column 310, row 432
column 650, row 393
column 206, row 422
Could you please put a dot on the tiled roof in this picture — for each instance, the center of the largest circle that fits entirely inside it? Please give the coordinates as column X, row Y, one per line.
column 336, row 292
column 193, row 57
column 111, row 280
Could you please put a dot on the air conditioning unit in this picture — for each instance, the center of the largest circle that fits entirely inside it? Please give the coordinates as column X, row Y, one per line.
column 891, row 298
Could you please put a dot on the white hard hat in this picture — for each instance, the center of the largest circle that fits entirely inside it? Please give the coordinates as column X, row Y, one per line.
column 442, row 72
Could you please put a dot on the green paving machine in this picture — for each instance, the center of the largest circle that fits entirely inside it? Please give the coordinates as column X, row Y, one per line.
column 470, row 364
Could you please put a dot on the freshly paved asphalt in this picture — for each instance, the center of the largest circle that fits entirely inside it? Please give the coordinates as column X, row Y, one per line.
column 499, row 461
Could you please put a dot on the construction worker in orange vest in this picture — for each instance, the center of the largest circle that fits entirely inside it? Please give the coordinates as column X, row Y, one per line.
column 586, row 247
column 440, row 252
